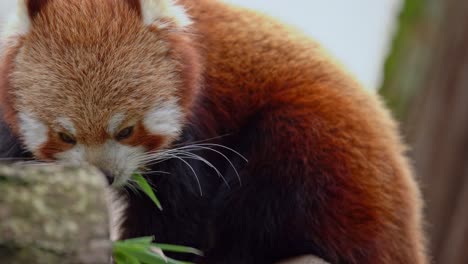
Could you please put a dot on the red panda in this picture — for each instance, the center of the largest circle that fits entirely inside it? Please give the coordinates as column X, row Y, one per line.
column 183, row 92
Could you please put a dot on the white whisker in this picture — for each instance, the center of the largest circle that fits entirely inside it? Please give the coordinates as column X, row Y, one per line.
column 191, row 168
column 194, row 156
column 182, row 152
column 133, row 186
column 225, row 157
column 202, row 141
column 160, row 172
column 224, row 147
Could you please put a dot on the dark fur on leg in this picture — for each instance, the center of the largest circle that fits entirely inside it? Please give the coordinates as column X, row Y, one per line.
column 231, row 224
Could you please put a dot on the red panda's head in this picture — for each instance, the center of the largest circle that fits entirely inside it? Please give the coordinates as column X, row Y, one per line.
column 98, row 81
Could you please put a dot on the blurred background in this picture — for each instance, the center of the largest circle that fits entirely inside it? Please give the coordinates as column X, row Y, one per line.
column 415, row 54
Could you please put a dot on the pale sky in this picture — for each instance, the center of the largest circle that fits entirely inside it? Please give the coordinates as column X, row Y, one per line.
column 356, row 32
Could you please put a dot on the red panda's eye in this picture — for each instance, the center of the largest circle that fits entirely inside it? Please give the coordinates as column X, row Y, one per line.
column 67, row 138
column 124, row 133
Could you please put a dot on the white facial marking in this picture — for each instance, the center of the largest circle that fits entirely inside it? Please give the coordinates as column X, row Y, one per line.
column 120, row 160
column 66, row 123
column 17, row 24
column 154, row 10
column 33, row 131
column 114, row 123
column 164, row 119
column 75, row 155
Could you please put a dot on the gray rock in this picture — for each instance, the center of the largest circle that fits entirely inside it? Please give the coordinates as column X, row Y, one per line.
column 53, row 214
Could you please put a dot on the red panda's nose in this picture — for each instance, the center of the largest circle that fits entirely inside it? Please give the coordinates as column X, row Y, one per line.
column 110, row 178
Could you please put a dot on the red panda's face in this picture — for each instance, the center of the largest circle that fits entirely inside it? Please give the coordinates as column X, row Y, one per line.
column 100, row 82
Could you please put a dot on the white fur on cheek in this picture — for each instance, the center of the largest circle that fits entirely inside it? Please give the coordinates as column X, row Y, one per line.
column 33, row 131
column 75, row 155
column 164, row 119
column 154, row 10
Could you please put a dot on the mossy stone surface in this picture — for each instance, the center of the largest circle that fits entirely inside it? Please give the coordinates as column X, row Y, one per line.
column 53, row 214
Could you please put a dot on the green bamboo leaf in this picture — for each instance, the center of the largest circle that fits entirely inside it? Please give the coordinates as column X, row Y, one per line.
column 146, row 188
column 145, row 255
column 140, row 240
column 121, row 258
column 142, row 251
column 179, row 249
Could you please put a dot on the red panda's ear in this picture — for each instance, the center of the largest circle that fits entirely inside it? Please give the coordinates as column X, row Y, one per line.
column 35, row 6
column 154, row 11
column 20, row 23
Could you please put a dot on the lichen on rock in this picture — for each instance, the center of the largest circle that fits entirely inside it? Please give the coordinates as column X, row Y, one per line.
column 53, row 214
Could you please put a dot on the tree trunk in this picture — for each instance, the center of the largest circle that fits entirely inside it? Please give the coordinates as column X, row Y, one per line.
column 53, row 215
column 436, row 122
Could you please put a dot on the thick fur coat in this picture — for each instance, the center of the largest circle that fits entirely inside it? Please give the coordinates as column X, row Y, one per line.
column 326, row 172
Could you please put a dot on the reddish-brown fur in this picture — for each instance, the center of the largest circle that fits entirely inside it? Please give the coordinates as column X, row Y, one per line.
column 371, row 201
column 179, row 70
column 53, row 146
column 135, row 5
column 6, row 68
column 141, row 137
column 364, row 201
column 35, row 6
